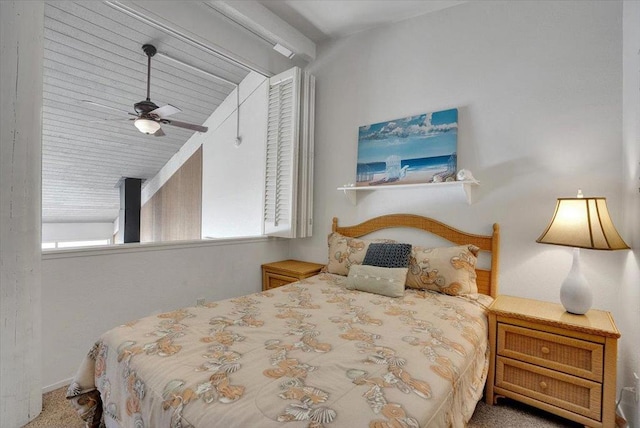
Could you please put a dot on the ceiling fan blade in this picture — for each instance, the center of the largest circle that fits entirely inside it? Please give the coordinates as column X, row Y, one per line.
column 104, row 106
column 113, row 119
column 159, row 133
column 186, row 125
column 165, row 111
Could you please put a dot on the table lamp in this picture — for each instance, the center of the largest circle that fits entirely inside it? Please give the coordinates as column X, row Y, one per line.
column 580, row 223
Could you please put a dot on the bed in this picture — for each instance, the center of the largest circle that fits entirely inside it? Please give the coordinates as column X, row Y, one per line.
column 315, row 353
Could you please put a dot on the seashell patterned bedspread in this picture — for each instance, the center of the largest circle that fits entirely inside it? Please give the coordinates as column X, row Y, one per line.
column 308, row 354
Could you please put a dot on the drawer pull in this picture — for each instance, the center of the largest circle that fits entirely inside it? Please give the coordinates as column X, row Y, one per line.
column 543, row 385
column 545, row 350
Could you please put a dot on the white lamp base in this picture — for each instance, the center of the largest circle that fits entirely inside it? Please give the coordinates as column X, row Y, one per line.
column 575, row 293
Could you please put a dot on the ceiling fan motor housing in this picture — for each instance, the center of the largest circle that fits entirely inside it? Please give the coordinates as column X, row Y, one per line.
column 144, row 107
column 150, row 50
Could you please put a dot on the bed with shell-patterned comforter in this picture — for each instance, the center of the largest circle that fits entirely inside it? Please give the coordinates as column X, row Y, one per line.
column 308, row 354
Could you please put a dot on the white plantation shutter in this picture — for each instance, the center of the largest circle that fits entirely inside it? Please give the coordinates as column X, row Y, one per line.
column 281, row 172
column 305, row 165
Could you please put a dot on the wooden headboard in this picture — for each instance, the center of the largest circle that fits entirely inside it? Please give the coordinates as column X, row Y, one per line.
column 487, row 278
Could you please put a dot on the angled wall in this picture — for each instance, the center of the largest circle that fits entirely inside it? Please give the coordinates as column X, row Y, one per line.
column 173, row 212
column 233, row 174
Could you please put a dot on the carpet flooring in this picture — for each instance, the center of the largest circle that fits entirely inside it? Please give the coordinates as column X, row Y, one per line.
column 57, row 413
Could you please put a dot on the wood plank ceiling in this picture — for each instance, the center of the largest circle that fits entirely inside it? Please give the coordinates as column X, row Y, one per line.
column 93, row 51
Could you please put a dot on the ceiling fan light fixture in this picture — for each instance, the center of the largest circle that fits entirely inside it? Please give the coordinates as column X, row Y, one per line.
column 146, row 126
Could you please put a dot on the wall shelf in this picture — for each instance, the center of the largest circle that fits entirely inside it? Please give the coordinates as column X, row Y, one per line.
column 459, row 186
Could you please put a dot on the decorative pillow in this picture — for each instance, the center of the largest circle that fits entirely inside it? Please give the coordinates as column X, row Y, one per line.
column 449, row 270
column 388, row 255
column 379, row 280
column 345, row 252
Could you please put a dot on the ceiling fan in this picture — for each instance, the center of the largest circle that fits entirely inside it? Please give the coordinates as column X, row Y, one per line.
column 149, row 117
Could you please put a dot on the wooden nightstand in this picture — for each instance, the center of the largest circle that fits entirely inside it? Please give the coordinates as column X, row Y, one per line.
column 277, row 274
column 548, row 358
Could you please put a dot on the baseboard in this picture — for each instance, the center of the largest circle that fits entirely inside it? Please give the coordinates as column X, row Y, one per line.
column 57, row 385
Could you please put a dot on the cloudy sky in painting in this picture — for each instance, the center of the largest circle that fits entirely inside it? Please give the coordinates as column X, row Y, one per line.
column 425, row 135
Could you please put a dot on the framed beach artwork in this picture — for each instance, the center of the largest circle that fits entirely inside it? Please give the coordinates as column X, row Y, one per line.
column 414, row 149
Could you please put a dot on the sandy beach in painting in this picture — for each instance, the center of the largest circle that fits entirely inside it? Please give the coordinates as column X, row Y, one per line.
column 412, row 177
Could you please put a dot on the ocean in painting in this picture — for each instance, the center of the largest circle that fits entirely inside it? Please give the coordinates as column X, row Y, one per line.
column 416, row 149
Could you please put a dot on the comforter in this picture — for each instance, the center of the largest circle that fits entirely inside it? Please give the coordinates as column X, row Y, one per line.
column 308, row 354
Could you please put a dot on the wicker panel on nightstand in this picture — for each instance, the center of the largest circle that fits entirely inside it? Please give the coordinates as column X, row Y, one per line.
column 551, row 359
column 280, row 273
column 574, row 356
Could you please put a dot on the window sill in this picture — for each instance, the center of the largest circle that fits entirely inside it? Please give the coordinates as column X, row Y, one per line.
column 151, row 246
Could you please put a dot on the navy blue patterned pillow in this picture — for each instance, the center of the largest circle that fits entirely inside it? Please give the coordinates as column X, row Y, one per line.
column 388, row 255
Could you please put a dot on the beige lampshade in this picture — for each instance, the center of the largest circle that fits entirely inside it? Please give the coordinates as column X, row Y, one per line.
column 582, row 223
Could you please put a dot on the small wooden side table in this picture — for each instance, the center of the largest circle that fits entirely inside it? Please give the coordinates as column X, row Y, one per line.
column 548, row 358
column 280, row 273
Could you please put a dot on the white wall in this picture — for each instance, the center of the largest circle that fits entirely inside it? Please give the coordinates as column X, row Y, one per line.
column 629, row 289
column 233, row 176
column 21, row 32
column 538, row 86
column 85, row 293
column 56, row 232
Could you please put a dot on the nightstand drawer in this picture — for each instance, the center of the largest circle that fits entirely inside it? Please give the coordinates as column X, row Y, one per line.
column 273, row 280
column 566, row 354
column 571, row 393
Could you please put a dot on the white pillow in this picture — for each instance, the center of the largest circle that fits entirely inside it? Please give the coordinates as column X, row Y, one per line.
column 379, row 280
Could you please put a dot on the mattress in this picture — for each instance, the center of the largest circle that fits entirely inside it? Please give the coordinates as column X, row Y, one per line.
column 308, row 354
